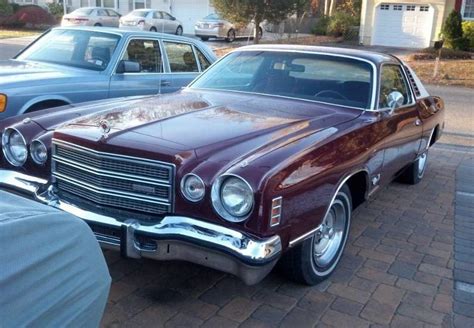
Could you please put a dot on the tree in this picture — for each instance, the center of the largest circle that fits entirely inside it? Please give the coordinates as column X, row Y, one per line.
column 453, row 33
column 244, row 11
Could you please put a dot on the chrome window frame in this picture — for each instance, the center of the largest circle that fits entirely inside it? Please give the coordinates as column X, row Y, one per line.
column 129, row 39
column 407, row 83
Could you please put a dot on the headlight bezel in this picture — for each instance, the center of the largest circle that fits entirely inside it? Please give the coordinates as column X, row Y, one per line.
column 32, row 152
column 184, row 179
column 218, row 203
column 6, row 137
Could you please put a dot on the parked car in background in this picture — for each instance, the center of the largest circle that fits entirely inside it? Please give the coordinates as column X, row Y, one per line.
column 213, row 26
column 92, row 16
column 263, row 156
column 77, row 64
column 151, row 20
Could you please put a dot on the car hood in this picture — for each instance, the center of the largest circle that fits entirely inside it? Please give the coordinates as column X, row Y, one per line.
column 199, row 122
column 14, row 71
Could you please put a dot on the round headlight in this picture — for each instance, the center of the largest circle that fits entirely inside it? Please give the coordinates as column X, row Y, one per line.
column 193, row 187
column 232, row 197
column 14, row 147
column 39, row 152
column 236, row 196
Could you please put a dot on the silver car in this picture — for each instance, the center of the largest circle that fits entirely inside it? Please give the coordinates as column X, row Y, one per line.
column 212, row 26
column 151, row 20
column 92, row 16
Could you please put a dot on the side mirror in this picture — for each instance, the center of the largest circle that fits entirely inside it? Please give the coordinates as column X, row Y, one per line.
column 173, row 18
column 128, row 66
column 395, row 99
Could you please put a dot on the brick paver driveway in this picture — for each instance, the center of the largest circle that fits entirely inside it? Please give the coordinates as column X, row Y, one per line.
column 396, row 271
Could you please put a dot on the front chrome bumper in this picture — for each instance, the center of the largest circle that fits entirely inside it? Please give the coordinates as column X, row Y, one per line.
column 174, row 238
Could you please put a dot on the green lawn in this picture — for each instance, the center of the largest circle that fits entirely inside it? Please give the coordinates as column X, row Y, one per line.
column 5, row 34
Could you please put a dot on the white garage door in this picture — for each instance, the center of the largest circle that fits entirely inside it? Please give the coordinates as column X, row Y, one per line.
column 403, row 25
column 189, row 12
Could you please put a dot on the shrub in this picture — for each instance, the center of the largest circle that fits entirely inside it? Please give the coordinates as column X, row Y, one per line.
column 30, row 16
column 6, row 8
column 56, row 9
column 431, row 54
column 340, row 23
column 452, row 32
column 468, row 33
column 321, row 26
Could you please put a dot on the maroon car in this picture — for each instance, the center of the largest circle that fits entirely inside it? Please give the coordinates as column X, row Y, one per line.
column 263, row 157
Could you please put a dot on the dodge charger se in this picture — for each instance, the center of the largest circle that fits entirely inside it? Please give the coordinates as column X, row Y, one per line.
column 263, row 157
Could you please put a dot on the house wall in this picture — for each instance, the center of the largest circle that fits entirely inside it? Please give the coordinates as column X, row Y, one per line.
column 441, row 9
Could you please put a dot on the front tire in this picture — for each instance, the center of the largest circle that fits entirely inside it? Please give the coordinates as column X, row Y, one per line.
column 204, row 38
column 315, row 259
column 179, row 30
column 415, row 172
column 153, row 29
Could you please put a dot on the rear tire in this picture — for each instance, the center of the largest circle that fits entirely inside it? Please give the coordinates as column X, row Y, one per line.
column 97, row 24
column 415, row 172
column 153, row 29
column 315, row 259
column 204, row 38
column 230, row 36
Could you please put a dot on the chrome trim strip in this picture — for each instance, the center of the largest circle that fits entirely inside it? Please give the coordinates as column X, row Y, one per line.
column 309, row 233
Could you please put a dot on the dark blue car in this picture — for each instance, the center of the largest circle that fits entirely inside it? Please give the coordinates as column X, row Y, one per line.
column 71, row 65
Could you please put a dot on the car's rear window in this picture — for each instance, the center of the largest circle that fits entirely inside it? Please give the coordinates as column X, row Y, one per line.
column 76, row 48
column 82, row 11
column 139, row 13
column 212, row 17
column 324, row 78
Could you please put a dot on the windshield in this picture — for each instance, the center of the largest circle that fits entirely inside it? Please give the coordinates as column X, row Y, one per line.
column 138, row 13
column 82, row 11
column 76, row 48
column 212, row 17
column 317, row 77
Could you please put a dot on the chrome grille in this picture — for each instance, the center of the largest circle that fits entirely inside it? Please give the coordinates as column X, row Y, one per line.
column 119, row 181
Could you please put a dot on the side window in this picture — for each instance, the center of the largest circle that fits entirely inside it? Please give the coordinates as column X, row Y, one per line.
column 157, row 15
column 101, row 12
column 112, row 13
column 181, row 57
column 147, row 53
column 166, row 16
column 202, row 60
column 392, row 79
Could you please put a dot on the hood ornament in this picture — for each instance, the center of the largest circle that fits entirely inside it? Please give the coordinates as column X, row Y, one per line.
column 105, row 127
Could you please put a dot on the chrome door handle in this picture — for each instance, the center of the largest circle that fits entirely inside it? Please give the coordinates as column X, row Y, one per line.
column 418, row 122
column 165, row 83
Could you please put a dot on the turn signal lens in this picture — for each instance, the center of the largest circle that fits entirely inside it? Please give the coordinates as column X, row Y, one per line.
column 3, row 102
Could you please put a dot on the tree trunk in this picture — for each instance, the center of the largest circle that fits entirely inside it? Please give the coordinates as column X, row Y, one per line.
column 256, row 39
column 326, row 7
column 332, row 7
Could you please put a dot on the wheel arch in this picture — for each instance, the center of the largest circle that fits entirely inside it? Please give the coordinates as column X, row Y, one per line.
column 54, row 100
column 352, row 178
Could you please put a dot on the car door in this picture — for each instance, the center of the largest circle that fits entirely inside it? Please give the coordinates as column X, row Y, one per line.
column 103, row 17
column 182, row 63
column 170, row 24
column 150, row 80
column 158, row 21
column 402, row 124
column 113, row 18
